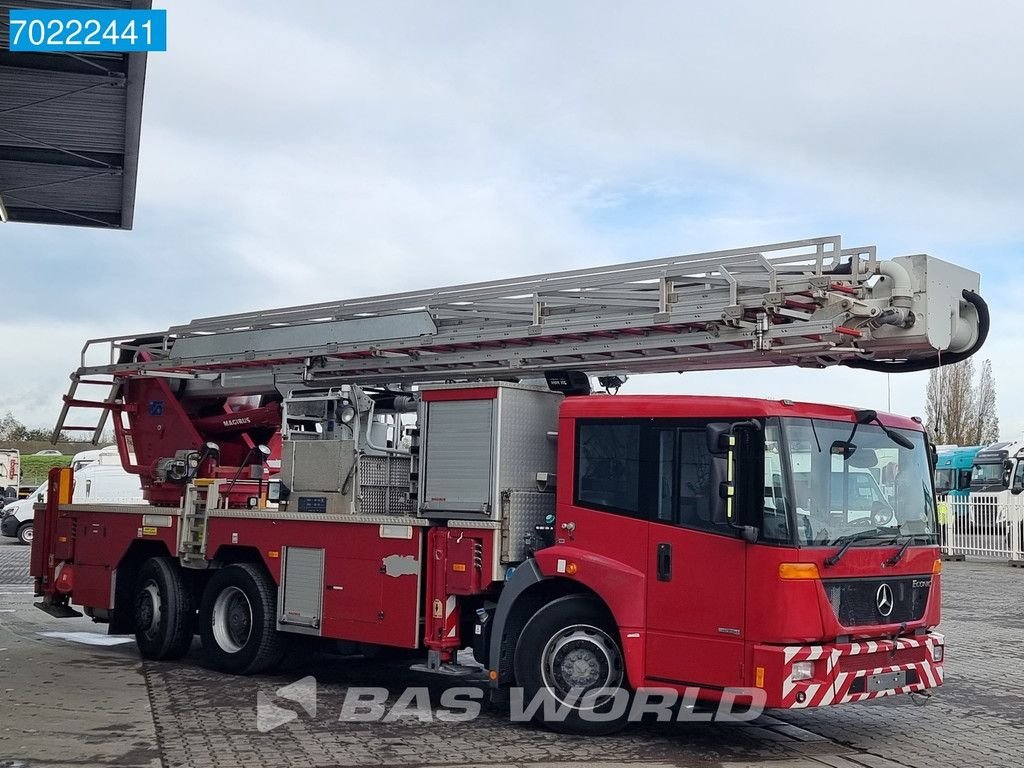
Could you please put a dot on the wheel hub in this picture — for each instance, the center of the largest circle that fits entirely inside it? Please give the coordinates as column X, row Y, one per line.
column 579, row 659
column 232, row 619
column 148, row 609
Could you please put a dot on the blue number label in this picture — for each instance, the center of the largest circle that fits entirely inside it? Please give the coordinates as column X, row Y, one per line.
column 87, row 30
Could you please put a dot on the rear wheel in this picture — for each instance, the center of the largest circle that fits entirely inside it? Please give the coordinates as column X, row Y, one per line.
column 237, row 621
column 164, row 616
column 25, row 533
column 569, row 653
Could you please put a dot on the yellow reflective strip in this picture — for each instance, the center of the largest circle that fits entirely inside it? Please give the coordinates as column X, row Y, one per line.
column 64, row 485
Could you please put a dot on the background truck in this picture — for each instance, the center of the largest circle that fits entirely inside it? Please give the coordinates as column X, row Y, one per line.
column 996, row 478
column 10, row 475
column 954, row 467
column 431, row 470
column 99, row 478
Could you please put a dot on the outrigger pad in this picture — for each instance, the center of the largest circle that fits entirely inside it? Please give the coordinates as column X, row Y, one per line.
column 58, row 610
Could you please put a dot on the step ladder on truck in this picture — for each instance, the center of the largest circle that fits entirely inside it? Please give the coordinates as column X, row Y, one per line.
column 430, row 471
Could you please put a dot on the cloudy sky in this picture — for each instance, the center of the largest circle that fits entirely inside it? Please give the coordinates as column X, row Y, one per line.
column 310, row 151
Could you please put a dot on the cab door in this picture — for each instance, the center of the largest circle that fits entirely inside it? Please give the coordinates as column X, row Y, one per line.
column 696, row 584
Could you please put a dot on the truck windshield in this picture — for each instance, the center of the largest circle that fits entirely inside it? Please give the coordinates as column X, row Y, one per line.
column 989, row 473
column 869, row 488
column 945, row 480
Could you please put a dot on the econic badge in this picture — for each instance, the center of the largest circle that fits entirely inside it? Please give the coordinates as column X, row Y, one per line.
column 87, row 30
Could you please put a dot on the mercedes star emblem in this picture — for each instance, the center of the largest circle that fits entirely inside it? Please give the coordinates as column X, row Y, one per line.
column 884, row 599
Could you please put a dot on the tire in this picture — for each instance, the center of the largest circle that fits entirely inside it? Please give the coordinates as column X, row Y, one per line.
column 238, row 621
column 163, row 614
column 25, row 534
column 573, row 630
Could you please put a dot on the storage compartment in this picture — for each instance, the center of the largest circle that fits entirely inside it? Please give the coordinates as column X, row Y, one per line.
column 300, row 596
column 478, row 442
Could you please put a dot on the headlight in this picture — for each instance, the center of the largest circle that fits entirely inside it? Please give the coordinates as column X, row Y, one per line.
column 347, row 414
column 802, row 670
column 938, row 652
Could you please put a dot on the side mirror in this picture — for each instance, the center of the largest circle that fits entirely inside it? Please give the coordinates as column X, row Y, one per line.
column 717, row 435
column 843, row 448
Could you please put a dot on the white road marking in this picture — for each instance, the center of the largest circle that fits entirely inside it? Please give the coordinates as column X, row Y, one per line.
column 88, row 638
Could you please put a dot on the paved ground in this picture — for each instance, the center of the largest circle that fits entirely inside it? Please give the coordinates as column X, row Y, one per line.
column 65, row 703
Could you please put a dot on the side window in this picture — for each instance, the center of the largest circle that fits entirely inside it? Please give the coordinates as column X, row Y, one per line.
column 608, row 469
column 658, row 470
column 694, row 480
column 1018, row 475
column 775, row 520
column 665, row 445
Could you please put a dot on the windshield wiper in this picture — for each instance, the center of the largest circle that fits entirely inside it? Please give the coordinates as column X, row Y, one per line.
column 899, row 555
column 848, row 541
column 830, row 561
column 866, row 417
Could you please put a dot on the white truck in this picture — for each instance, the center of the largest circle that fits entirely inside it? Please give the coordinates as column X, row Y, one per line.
column 99, row 479
column 997, row 476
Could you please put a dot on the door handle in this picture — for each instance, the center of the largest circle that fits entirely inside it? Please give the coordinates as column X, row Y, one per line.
column 664, row 562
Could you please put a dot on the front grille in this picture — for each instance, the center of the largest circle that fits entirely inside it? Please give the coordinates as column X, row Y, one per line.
column 855, row 601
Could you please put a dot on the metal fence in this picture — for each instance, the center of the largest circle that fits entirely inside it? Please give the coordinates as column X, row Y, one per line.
column 983, row 525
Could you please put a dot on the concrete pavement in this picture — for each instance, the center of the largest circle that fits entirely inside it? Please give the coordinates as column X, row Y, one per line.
column 68, row 703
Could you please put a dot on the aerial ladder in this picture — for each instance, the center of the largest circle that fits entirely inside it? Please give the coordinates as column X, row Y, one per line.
column 809, row 303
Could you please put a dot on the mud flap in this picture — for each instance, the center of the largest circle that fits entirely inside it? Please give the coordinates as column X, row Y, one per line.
column 58, row 610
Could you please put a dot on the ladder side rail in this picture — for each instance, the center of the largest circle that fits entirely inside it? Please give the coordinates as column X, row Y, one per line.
column 513, row 358
column 710, row 308
column 464, row 310
column 562, row 309
column 420, row 298
column 122, row 341
column 809, row 354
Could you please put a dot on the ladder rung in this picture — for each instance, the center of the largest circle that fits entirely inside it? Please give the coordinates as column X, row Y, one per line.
column 67, row 428
column 87, row 403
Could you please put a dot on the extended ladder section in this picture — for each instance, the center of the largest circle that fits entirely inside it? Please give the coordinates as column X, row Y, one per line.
column 808, row 303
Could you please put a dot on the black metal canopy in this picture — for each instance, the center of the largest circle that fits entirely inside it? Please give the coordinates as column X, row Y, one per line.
column 69, row 129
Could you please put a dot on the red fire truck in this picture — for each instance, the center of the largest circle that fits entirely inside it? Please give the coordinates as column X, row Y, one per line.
column 430, row 470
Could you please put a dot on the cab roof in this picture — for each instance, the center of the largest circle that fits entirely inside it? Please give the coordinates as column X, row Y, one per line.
column 706, row 406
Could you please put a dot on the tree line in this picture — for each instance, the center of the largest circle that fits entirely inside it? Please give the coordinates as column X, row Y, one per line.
column 960, row 404
column 13, row 431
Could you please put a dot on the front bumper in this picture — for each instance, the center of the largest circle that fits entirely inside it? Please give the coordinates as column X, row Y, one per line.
column 846, row 672
column 9, row 526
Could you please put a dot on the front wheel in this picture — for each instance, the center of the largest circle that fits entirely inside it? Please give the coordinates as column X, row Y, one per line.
column 569, row 653
column 25, row 533
column 237, row 621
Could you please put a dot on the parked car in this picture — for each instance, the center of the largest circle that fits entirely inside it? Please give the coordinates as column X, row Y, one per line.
column 48, row 452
